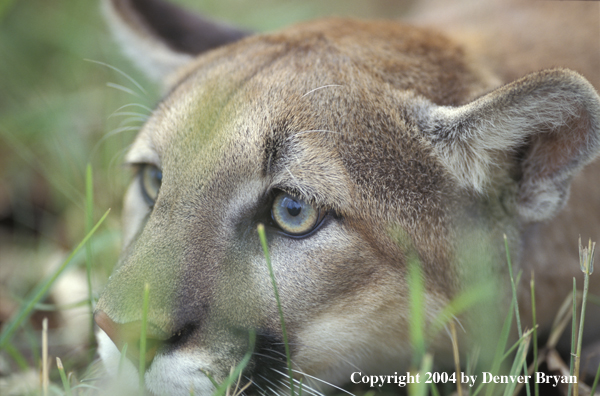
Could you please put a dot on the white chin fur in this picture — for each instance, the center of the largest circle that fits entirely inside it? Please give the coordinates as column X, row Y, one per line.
column 174, row 374
column 126, row 381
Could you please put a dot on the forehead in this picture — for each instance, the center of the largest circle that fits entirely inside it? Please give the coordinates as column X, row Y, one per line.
column 314, row 71
column 292, row 113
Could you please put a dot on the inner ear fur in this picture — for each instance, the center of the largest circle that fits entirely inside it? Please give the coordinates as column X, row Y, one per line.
column 545, row 125
column 161, row 37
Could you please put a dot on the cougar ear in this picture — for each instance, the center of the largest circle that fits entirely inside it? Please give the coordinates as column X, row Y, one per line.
column 545, row 127
column 160, row 37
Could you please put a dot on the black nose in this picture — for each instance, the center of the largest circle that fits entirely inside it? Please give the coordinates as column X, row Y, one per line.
column 130, row 334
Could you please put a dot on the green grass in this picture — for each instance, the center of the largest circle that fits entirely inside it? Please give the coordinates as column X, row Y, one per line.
column 265, row 247
column 63, row 377
column 586, row 263
column 142, row 367
column 40, row 291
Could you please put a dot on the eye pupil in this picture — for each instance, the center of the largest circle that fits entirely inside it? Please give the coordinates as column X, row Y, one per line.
column 294, row 208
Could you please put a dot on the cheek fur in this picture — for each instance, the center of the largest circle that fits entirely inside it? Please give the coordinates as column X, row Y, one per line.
column 135, row 210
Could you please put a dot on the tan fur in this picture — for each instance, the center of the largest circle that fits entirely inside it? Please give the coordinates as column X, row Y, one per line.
column 517, row 37
column 405, row 137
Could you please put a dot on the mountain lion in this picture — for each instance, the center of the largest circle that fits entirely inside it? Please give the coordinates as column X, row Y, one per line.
column 373, row 153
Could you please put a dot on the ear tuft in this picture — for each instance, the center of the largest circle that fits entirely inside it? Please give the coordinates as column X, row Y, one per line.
column 545, row 125
column 160, row 37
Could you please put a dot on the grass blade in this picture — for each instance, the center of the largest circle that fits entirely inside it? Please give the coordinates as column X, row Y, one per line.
column 17, row 357
column 63, row 377
column 45, row 375
column 477, row 294
column 573, row 335
column 520, row 360
column 417, row 308
column 263, row 241
column 419, row 388
column 516, row 345
column 222, row 388
column 536, row 387
column 142, row 371
column 500, row 347
column 595, row 384
column 41, row 291
column 517, row 315
column 456, row 357
column 122, row 359
column 586, row 262
column 89, row 222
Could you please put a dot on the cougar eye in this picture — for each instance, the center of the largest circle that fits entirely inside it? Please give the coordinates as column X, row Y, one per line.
column 293, row 215
column 150, row 178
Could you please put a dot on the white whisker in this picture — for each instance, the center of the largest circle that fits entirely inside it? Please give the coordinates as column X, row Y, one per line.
column 122, row 152
column 309, row 389
column 119, row 130
column 273, row 391
column 298, row 185
column 282, row 382
column 460, row 324
column 273, row 384
column 284, row 362
column 254, row 383
column 448, row 332
column 148, row 109
column 271, row 357
column 130, row 120
column 122, row 88
column 117, row 158
column 127, row 76
column 129, row 113
column 283, row 355
column 324, row 86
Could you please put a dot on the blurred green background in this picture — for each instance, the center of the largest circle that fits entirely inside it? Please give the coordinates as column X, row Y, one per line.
column 59, row 112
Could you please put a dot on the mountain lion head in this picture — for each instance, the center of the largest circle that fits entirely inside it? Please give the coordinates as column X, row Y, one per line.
column 366, row 149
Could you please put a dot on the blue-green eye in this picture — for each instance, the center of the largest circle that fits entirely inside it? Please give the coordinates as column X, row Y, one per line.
column 150, row 179
column 293, row 215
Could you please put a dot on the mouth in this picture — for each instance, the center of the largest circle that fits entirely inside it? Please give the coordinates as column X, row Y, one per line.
column 173, row 366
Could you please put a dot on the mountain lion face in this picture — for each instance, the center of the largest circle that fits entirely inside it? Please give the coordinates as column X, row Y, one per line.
column 366, row 150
